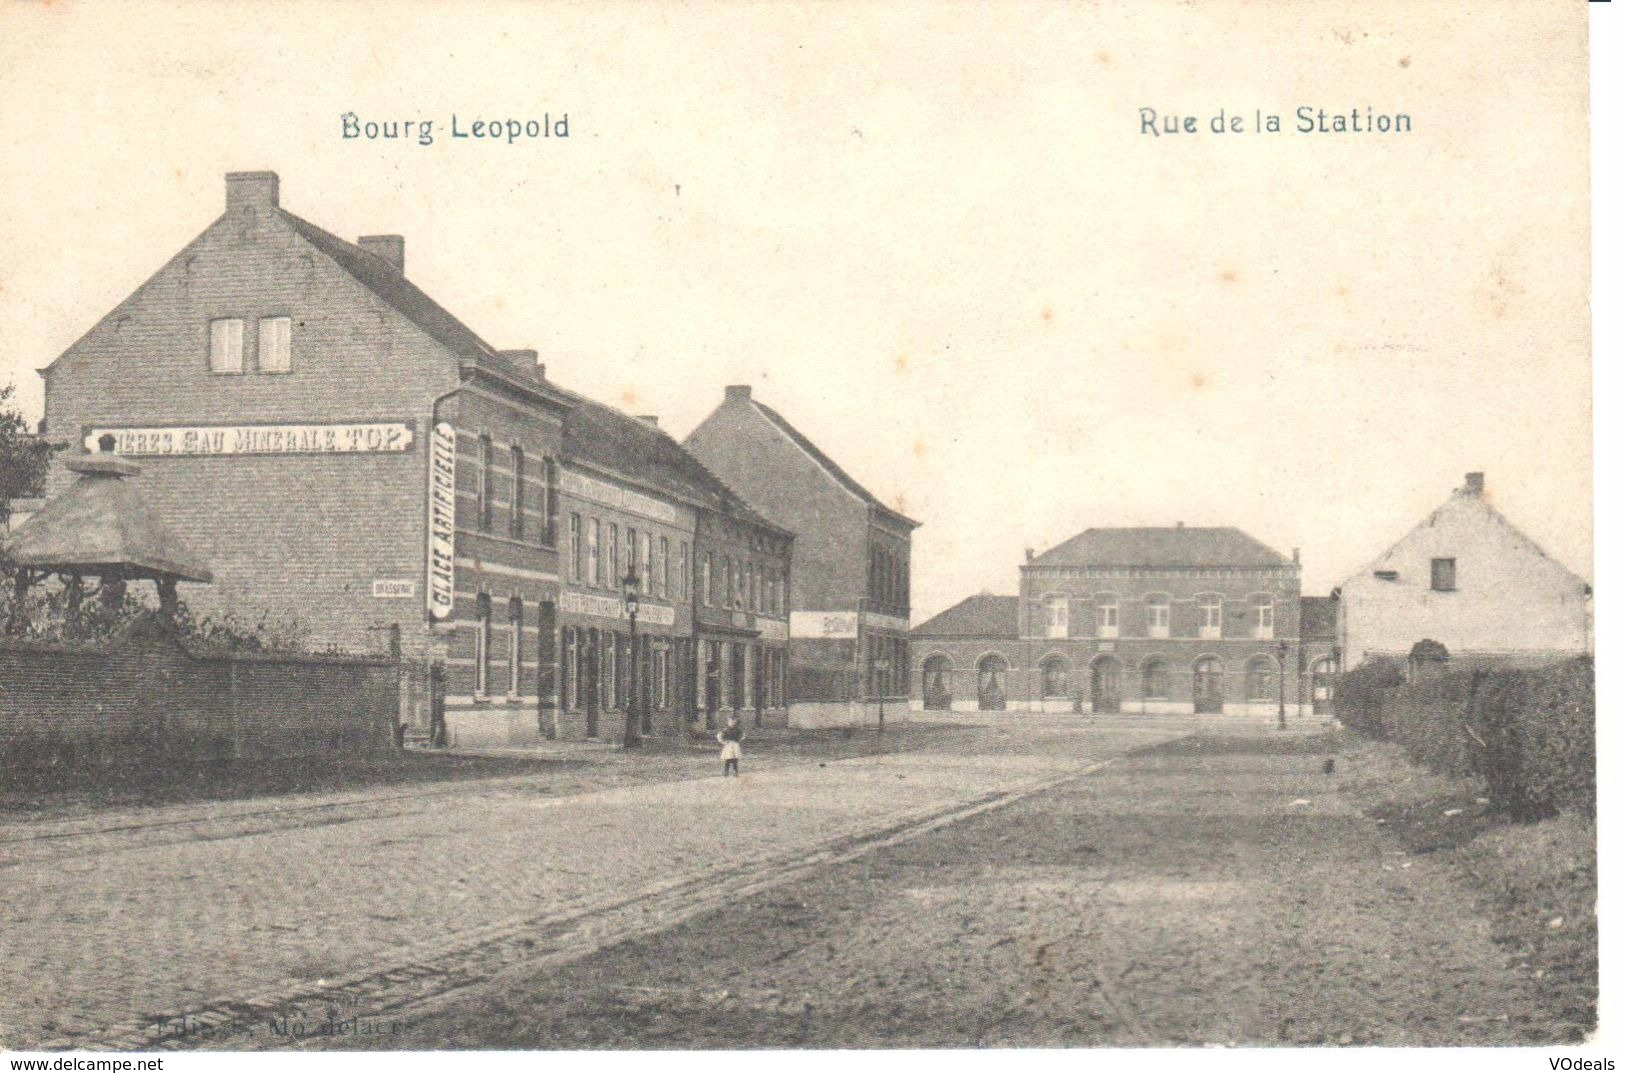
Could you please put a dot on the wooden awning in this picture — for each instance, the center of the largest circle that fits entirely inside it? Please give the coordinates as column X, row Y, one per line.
column 102, row 526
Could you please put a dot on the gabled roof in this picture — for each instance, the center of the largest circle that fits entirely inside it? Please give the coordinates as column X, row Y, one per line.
column 1162, row 546
column 102, row 522
column 828, row 464
column 380, row 277
column 604, row 437
column 1317, row 618
column 982, row 615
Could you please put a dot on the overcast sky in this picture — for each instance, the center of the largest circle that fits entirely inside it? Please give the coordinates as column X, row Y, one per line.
column 933, row 238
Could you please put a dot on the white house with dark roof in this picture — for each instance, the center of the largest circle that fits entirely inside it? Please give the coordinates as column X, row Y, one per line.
column 1466, row 578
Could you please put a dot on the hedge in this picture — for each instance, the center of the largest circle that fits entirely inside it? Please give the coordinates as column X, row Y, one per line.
column 1528, row 735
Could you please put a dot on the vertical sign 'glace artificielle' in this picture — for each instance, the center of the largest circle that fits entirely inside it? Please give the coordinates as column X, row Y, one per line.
column 442, row 518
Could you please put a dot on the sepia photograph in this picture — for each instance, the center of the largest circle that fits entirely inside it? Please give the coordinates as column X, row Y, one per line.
column 738, row 527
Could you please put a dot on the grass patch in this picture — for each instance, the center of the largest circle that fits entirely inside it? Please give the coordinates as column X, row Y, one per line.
column 1536, row 882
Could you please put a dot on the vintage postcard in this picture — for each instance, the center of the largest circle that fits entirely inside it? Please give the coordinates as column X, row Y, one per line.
column 736, row 526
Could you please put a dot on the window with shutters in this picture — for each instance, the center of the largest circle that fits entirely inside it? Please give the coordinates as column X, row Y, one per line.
column 276, row 344
column 226, row 345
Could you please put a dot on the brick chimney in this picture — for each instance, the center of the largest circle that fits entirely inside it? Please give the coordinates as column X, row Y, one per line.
column 251, row 190
column 736, row 391
column 1474, row 486
column 391, row 248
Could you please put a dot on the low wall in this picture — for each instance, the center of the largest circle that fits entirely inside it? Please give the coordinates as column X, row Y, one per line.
column 145, row 697
column 816, row 715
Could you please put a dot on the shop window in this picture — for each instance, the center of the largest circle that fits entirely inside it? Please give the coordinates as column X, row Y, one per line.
column 482, row 645
column 516, row 638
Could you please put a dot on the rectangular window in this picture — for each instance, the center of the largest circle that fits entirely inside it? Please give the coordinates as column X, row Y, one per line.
column 1156, row 619
column 516, row 637
column 706, row 579
column 1106, row 619
column 1444, row 575
column 276, row 344
column 575, row 548
column 612, row 553
column 226, row 345
column 647, row 559
column 663, row 569
column 595, row 562
column 682, row 570
column 550, row 505
column 727, row 581
column 1210, row 617
column 1264, row 618
column 486, row 475
column 516, row 504
column 1055, row 616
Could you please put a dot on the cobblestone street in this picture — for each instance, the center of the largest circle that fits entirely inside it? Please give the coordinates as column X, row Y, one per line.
column 205, row 915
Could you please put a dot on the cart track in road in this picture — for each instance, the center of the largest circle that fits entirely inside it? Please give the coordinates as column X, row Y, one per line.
column 422, row 979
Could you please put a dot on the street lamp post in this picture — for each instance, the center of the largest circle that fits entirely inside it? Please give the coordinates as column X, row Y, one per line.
column 1280, row 690
column 629, row 591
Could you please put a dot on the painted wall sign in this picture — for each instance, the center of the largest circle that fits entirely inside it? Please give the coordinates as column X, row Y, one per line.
column 394, row 588
column 582, row 603
column 380, row 438
column 612, row 495
column 823, row 624
column 773, row 629
column 442, row 519
column 884, row 622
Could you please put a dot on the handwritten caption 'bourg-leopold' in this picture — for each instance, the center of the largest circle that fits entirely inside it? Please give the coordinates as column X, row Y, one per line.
column 1306, row 120
column 485, row 129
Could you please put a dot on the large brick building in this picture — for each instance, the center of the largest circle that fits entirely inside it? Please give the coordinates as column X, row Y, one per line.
column 1149, row 620
column 345, row 453
column 849, row 596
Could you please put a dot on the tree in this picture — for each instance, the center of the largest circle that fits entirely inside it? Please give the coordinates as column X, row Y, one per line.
column 24, row 457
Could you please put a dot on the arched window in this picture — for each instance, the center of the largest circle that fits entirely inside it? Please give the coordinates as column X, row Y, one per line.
column 1057, row 677
column 1156, row 616
column 1106, row 616
column 482, row 644
column 1210, row 615
column 1263, row 617
column 516, row 638
column 991, row 671
column 936, row 687
column 1260, row 679
column 1155, row 680
column 1055, row 616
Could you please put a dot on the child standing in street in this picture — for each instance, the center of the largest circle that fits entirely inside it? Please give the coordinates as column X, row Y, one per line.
column 730, row 737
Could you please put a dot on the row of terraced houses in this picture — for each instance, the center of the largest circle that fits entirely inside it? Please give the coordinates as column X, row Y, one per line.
column 345, row 453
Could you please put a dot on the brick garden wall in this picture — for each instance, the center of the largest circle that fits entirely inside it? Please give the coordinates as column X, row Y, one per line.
column 146, row 699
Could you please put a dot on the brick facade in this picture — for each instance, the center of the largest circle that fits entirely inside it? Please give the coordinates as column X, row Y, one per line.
column 234, row 371
column 849, row 594
column 1102, row 625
